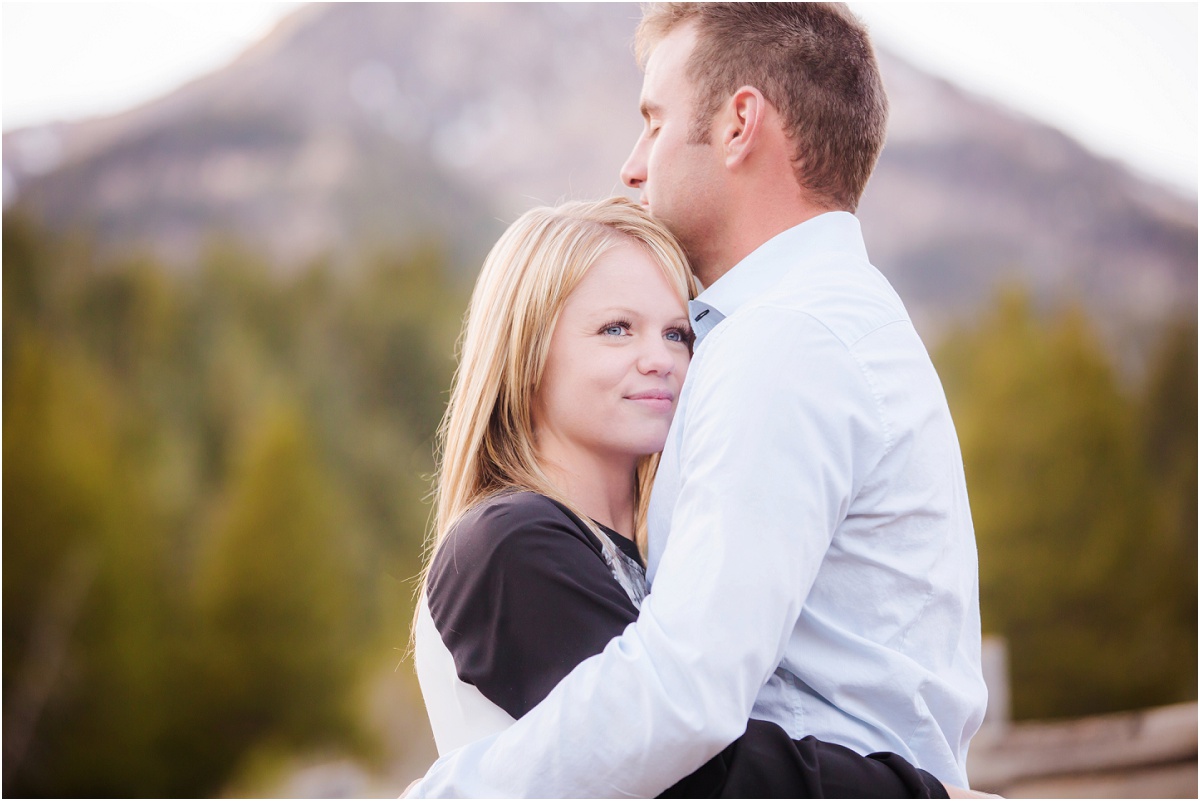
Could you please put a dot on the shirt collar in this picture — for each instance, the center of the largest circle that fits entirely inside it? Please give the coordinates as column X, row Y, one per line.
column 835, row 231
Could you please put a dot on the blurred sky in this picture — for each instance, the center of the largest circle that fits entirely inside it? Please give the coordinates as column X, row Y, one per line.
column 1120, row 77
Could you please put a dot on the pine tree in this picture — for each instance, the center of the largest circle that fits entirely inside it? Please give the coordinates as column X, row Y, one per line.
column 1170, row 440
column 1062, row 508
column 84, row 669
column 276, row 594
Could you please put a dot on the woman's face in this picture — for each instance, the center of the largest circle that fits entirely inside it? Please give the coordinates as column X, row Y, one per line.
column 617, row 361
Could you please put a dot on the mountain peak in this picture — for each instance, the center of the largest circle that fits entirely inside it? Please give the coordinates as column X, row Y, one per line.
column 353, row 125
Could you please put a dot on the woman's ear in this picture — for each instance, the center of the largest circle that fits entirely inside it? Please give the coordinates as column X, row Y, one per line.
column 745, row 117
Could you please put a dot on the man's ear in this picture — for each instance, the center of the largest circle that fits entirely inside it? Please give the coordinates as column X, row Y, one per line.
column 745, row 117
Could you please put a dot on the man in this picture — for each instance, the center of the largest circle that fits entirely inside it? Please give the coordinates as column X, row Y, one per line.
column 811, row 552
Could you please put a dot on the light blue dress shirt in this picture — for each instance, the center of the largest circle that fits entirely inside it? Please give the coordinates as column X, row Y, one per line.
column 812, row 559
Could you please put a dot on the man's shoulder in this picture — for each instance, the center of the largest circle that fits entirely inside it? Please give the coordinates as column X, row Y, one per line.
column 834, row 294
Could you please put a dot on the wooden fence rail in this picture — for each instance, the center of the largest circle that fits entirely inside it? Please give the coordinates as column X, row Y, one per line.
column 1149, row 753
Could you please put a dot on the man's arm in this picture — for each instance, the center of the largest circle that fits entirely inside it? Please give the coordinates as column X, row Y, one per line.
column 754, row 518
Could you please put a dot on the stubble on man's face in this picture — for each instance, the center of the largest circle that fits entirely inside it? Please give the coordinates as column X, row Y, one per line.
column 682, row 176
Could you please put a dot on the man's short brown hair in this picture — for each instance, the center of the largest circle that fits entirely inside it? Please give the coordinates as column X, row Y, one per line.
column 812, row 61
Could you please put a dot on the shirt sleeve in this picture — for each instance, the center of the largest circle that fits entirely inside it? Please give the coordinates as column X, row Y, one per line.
column 754, row 517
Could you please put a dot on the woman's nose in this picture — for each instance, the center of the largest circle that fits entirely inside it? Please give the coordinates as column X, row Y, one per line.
column 656, row 357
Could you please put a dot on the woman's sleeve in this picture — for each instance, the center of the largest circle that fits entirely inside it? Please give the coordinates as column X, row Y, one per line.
column 766, row 762
column 520, row 597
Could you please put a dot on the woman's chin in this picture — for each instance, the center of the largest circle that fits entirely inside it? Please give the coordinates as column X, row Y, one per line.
column 651, row 445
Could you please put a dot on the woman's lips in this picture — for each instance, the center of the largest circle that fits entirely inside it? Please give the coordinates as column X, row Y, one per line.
column 656, row 399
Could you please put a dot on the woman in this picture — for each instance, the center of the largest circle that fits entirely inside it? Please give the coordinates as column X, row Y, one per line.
column 574, row 352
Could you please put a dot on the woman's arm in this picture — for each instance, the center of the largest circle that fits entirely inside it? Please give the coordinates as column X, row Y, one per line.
column 766, row 762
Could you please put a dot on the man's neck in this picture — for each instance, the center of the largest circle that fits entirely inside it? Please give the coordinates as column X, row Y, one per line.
column 754, row 226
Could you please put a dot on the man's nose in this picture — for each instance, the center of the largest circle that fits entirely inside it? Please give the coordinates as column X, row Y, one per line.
column 633, row 173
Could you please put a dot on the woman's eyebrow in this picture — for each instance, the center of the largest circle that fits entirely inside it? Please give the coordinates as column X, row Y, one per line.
column 608, row 311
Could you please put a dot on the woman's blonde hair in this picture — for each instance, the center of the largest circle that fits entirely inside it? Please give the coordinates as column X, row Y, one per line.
column 486, row 440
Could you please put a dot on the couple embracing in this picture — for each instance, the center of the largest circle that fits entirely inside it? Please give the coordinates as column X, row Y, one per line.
column 797, row 505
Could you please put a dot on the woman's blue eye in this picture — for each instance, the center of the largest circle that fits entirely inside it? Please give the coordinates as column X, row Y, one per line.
column 679, row 335
column 615, row 329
